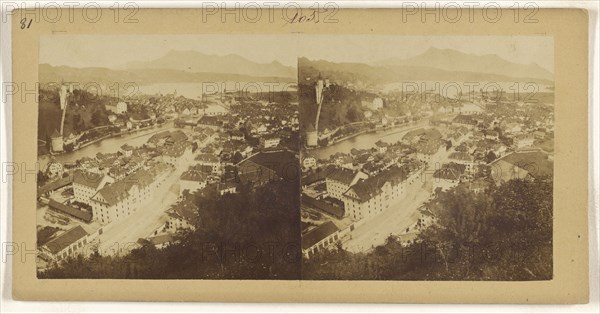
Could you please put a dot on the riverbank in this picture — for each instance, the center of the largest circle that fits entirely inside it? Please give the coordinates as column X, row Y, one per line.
column 108, row 144
column 104, row 137
column 365, row 139
column 375, row 130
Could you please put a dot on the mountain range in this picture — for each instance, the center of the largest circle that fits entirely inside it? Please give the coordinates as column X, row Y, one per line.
column 174, row 67
column 198, row 62
column 439, row 65
column 193, row 66
column 452, row 60
column 108, row 77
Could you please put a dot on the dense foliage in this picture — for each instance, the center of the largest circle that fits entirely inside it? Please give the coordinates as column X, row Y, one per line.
column 249, row 235
column 340, row 106
column 504, row 233
column 86, row 110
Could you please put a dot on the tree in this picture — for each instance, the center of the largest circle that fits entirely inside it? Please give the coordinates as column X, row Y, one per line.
column 96, row 118
column 237, row 157
column 41, row 178
column 353, row 115
column 503, row 234
column 492, row 228
column 249, row 235
column 490, row 156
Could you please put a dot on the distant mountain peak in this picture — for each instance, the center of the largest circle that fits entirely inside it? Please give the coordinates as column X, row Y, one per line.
column 368, row 76
column 454, row 60
column 199, row 62
column 437, row 50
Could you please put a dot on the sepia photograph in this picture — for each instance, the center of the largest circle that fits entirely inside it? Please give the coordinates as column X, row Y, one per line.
column 320, row 154
column 427, row 157
column 347, row 158
column 167, row 157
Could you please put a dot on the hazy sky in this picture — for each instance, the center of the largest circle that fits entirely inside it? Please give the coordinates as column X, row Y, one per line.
column 115, row 50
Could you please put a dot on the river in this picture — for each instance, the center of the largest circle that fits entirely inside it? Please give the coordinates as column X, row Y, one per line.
column 109, row 145
column 366, row 140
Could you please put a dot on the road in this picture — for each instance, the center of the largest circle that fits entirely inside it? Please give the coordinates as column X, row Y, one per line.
column 394, row 220
column 121, row 236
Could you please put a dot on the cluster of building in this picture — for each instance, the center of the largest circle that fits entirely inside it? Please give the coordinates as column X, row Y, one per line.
column 98, row 199
column 468, row 143
column 218, row 142
column 346, row 188
column 222, row 152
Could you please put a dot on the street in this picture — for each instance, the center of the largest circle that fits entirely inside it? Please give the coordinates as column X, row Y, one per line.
column 121, row 236
column 394, row 220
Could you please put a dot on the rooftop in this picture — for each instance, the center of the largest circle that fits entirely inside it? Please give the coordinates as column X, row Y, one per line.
column 429, row 147
column 66, row 239
column 55, row 185
column 450, row 171
column 207, row 158
column 370, row 187
column 536, row 163
column 317, row 234
column 89, row 179
column 68, row 210
column 283, row 162
column 118, row 191
column 193, row 175
column 342, row 175
column 461, row 156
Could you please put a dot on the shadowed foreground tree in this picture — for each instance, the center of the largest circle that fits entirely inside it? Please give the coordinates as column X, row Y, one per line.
column 504, row 233
column 249, row 235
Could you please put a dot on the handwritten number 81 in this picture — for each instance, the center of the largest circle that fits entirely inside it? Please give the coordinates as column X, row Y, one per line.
column 24, row 23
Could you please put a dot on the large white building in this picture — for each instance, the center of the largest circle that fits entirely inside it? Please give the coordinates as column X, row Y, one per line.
column 339, row 180
column 86, row 184
column 120, row 199
column 371, row 196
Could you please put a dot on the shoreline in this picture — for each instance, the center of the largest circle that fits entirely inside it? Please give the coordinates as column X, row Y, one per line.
column 100, row 139
column 337, row 141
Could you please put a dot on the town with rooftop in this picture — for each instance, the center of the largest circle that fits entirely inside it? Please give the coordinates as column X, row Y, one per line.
column 472, row 143
column 379, row 162
column 112, row 202
column 437, row 166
